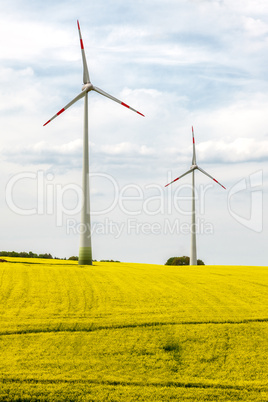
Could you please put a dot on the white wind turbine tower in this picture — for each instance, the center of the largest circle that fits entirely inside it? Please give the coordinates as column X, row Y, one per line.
column 85, row 251
column 193, row 258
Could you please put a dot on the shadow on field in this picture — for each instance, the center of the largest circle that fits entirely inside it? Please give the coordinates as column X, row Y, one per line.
column 172, row 346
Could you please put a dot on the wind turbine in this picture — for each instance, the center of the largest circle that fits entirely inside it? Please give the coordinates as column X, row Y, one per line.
column 193, row 259
column 85, row 251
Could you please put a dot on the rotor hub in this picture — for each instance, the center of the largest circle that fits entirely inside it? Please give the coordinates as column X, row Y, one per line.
column 88, row 86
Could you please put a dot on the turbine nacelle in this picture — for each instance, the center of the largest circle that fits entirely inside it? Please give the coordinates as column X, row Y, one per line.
column 193, row 167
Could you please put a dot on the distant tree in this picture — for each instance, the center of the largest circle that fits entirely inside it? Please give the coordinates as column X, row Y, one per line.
column 32, row 255
column 5, row 253
column 48, row 256
column 181, row 261
column 170, row 261
column 107, row 261
column 13, row 254
column 73, row 258
column 23, row 254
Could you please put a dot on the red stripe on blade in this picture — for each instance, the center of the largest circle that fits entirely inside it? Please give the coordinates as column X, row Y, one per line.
column 172, row 182
column 141, row 114
column 124, row 104
column 82, row 45
column 78, row 25
column 219, row 184
column 46, row 123
column 62, row 110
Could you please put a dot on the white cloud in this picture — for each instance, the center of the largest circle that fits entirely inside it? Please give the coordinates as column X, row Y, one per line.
column 237, row 151
column 252, row 7
column 126, row 148
column 255, row 27
column 30, row 41
column 70, row 153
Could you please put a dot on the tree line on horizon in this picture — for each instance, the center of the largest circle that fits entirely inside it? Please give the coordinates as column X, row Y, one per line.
column 30, row 254
column 24, row 254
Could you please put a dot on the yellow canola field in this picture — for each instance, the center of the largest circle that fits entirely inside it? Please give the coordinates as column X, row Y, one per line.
column 121, row 331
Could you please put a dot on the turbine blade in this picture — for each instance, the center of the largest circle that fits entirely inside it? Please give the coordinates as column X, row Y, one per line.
column 86, row 78
column 184, row 174
column 201, row 170
column 67, row 106
column 194, row 157
column 100, row 91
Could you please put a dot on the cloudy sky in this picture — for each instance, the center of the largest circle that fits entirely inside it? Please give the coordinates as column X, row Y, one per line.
column 180, row 63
